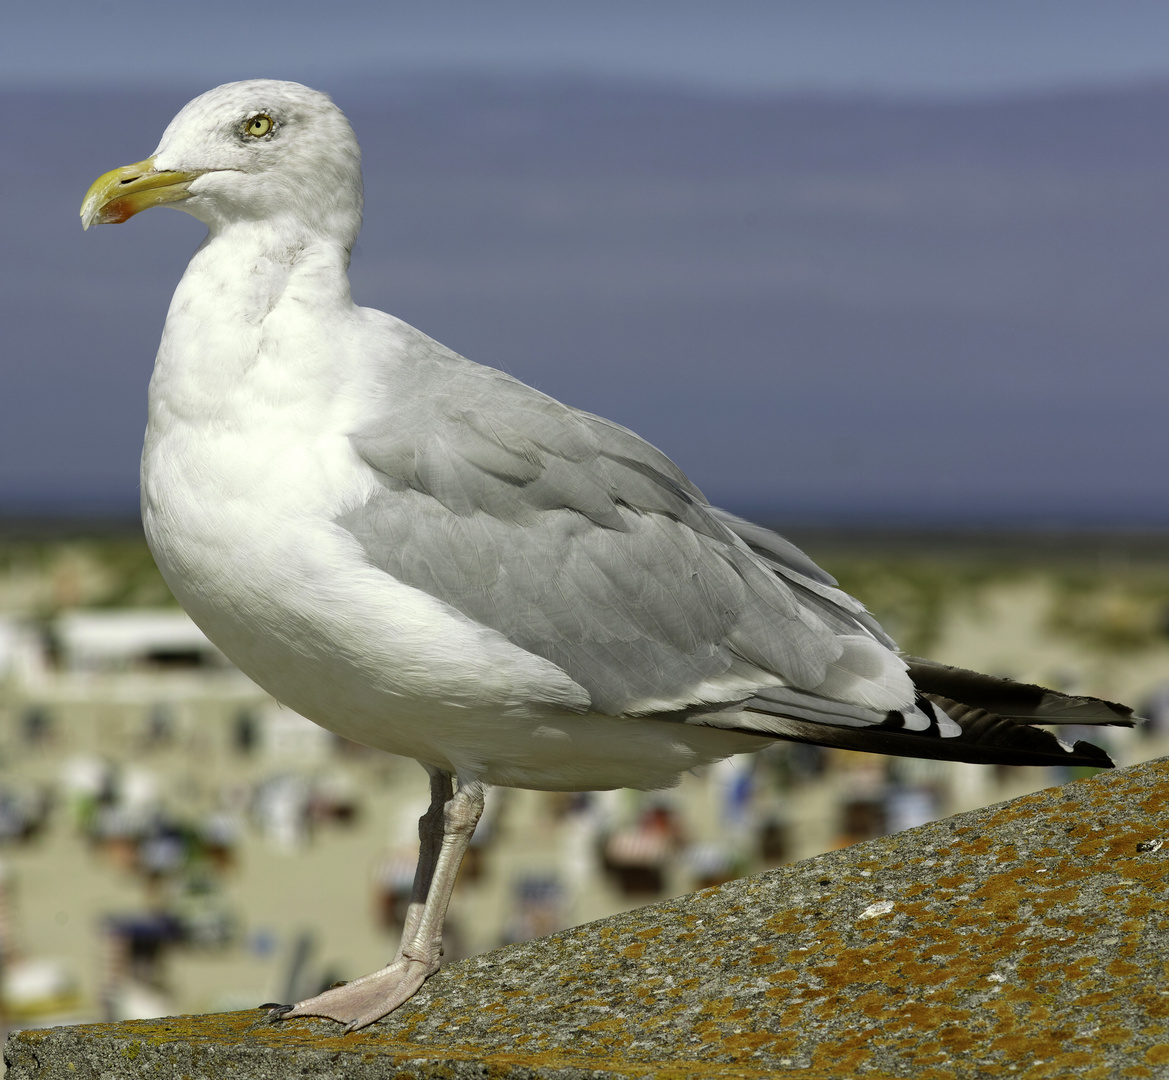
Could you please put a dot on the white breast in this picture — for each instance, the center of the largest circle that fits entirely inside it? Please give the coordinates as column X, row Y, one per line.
column 247, row 464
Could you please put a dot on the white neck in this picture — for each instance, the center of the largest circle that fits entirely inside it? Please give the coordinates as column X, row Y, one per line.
column 253, row 383
column 247, row 290
column 243, row 271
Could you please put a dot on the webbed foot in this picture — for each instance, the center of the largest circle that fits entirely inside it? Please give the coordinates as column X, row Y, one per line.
column 359, row 1003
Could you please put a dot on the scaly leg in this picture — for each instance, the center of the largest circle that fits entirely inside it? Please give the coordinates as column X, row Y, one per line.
column 431, row 829
column 444, row 832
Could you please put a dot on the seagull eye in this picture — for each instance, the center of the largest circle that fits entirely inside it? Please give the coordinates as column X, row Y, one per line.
column 258, row 126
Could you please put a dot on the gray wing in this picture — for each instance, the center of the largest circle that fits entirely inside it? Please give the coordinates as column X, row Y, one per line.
column 583, row 544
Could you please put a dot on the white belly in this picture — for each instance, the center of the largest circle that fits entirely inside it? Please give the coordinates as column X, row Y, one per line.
column 248, row 546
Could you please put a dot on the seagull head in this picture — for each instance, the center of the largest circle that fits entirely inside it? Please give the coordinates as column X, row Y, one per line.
column 259, row 151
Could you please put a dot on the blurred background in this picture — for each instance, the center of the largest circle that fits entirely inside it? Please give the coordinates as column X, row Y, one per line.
column 888, row 276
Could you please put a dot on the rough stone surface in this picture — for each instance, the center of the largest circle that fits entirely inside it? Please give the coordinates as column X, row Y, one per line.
column 1028, row 939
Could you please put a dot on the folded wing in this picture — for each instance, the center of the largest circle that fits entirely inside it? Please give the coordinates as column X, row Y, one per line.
column 581, row 543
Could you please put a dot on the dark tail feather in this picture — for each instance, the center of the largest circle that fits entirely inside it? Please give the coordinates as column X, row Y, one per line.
column 997, row 717
column 986, row 739
column 993, row 739
column 1023, row 702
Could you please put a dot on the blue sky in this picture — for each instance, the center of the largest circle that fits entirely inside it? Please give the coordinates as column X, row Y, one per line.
column 850, row 308
column 895, row 46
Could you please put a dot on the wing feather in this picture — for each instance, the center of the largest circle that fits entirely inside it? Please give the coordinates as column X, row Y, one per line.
column 584, row 544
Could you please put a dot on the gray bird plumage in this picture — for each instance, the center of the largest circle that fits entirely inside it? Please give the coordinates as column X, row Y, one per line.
column 584, row 544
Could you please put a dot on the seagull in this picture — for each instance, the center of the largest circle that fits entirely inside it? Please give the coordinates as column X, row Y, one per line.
column 429, row 557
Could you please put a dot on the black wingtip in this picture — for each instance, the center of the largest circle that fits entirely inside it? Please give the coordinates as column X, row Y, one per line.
column 1091, row 755
column 1025, row 703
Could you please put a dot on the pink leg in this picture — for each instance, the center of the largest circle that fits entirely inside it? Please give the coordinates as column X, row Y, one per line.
column 444, row 832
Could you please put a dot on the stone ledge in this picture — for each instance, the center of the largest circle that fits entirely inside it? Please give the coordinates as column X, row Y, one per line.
column 1027, row 939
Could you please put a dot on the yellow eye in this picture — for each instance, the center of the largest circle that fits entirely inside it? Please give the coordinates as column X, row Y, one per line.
column 258, row 126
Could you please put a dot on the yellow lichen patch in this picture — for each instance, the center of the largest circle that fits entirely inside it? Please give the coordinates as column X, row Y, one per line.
column 611, row 1024
column 747, row 1042
column 1081, row 925
column 1158, row 1054
column 1156, row 802
column 786, row 922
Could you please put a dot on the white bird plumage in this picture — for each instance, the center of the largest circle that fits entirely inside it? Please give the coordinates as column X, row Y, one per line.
column 428, row 557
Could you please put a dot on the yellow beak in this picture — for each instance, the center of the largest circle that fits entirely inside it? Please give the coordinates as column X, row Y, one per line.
column 119, row 194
